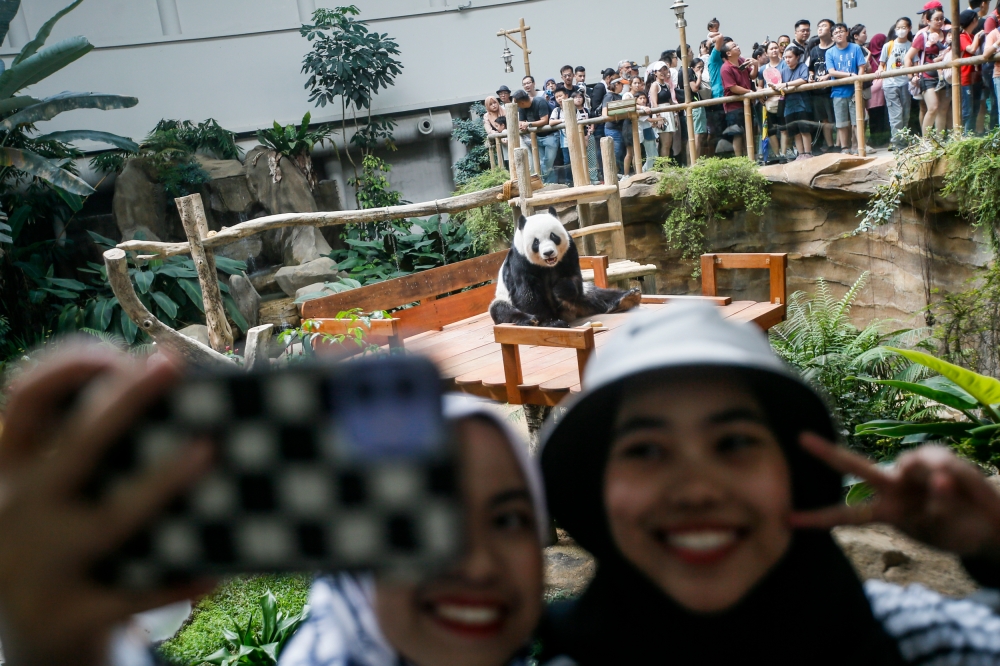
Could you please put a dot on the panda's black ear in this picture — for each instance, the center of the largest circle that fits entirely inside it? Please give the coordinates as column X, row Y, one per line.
column 521, row 221
column 553, row 213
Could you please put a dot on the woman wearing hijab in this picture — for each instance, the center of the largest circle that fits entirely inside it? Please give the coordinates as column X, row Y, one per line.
column 680, row 468
column 483, row 612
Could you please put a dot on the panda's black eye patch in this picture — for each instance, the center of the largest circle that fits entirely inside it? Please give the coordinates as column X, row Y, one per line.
column 555, row 238
column 534, row 246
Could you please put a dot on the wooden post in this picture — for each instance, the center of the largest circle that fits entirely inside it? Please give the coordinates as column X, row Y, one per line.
column 511, row 356
column 611, row 178
column 840, row 11
column 708, row 286
column 193, row 219
column 956, row 72
column 536, row 157
column 636, row 145
column 499, row 150
column 190, row 350
column 577, row 151
column 489, row 150
column 255, row 351
column 523, row 181
column 523, row 29
column 859, row 107
column 748, row 133
column 513, row 135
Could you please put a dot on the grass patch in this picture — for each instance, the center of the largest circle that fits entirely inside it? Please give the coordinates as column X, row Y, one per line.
column 236, row 598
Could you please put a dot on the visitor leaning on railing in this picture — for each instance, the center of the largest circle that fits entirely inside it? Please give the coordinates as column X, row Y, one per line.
column 989, row 56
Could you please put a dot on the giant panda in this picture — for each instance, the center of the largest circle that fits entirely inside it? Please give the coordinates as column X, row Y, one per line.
column 540, row 282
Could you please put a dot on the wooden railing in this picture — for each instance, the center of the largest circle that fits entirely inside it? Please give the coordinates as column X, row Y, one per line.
column 494, row 140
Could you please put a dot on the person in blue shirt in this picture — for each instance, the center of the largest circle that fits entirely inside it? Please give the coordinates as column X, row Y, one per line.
column 845, row 59
column 798, row 107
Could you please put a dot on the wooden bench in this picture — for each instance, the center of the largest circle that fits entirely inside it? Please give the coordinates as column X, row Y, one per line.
column 516, row 364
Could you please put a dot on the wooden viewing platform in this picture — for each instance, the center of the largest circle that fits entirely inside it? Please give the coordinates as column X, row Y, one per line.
column 516, row 364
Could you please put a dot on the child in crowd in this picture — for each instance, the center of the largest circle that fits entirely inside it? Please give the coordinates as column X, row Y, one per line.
column 797, row 106
column 698, row 470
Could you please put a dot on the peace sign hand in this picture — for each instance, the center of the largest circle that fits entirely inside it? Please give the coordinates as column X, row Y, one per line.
column 930, row 494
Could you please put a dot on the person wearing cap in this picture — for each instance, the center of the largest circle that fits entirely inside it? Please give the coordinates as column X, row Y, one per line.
column 698, row 470
column 613, row 128
column 504, row 95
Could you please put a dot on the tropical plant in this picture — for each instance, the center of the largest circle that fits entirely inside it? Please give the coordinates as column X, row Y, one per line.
column 259, row 645
column 471, row 134
column 702, row 193
column 169, row 153
column 820, row 342
column 168, row 288
column 34, row 63
column 490, row 226
column 307, row 334
column 967, row 404
column 967, row 323
column 403, row 247
column 372, row 187
column 349, row 62
column 295, row 143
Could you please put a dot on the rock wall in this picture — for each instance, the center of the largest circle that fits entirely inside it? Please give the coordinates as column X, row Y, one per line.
column 925, row 250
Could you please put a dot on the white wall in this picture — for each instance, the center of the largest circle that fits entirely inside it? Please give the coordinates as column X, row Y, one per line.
column 238, row 60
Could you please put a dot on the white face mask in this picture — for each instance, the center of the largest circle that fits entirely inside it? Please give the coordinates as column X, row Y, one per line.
column 902, row 33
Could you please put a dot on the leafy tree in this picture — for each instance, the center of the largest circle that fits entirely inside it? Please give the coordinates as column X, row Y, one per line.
column 296, row 143
column 349, row 62
column 471, row 133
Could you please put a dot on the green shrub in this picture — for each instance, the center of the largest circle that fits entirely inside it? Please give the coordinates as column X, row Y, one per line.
column 820, row 342
column 471, row 133
column 704, row 192
column 492, row 226
column 235, row 600
column 245, row 644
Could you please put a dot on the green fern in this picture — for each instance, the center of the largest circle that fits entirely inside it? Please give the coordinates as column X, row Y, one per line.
column 819, row 340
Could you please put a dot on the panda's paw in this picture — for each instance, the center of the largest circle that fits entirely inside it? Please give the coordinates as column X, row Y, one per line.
column 629, row 300
column 557, row 323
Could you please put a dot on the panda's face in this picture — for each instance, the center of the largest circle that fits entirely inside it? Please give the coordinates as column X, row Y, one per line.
column 542, row 239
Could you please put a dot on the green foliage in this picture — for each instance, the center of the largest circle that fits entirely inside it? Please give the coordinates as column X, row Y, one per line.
column 819, row 340
column 261, row 646
column 22, row 158
column 967, row 324
column 168, row 288
column 308, row 334
column 236, row 600
column 971, row 394
column 346, row 59
column 471, row 133
column 402, row 247
column 490, row 226
column 373, row 188
column 293, row 141
column 973, row 178
column 703, row 192
column 169, row 150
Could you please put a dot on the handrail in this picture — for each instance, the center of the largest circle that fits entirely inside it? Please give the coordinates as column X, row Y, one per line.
column 761, row 94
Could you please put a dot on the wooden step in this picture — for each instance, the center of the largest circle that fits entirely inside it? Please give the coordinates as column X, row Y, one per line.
column 623, row 270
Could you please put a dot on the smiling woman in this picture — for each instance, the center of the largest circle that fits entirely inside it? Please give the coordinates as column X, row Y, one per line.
column 482, row 612
column 680, row 467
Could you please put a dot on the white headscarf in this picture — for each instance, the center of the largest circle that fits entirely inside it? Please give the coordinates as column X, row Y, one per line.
column 342, row 628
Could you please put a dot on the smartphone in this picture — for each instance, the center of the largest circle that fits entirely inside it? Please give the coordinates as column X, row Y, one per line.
column 317, row 467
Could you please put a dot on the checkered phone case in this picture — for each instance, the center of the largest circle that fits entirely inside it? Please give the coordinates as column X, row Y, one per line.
column 317, row 468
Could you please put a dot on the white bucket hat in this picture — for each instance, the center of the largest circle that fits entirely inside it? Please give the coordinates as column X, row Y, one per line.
column 679, row 336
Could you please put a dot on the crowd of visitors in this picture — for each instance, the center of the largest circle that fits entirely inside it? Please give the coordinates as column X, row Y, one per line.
column 790, row 126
